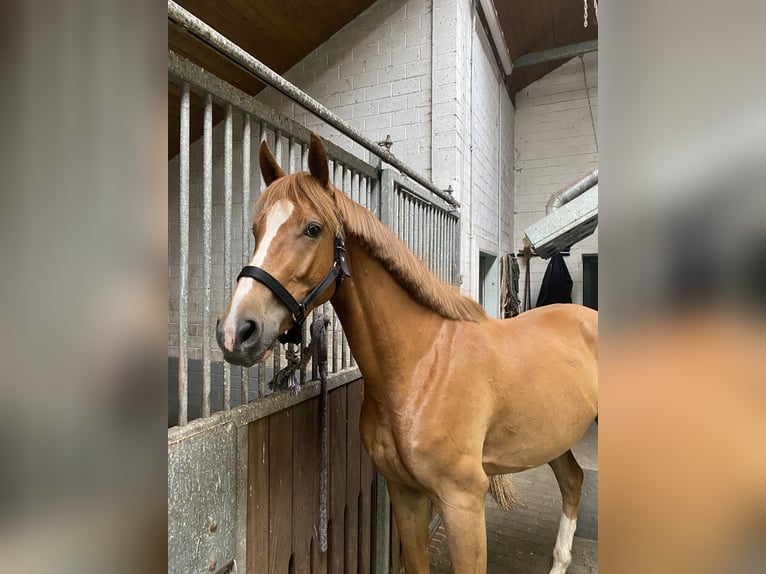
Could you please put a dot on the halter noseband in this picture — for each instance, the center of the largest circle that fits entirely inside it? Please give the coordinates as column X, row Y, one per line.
column 338, row 271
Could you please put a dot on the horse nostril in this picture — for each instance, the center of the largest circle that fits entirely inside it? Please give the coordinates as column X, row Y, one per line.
column 247, row 330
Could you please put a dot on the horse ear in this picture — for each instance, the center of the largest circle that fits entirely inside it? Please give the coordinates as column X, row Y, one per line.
column 318, row 160
column 270, row 169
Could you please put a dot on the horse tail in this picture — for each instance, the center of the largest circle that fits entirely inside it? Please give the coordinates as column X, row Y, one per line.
column 502, row 490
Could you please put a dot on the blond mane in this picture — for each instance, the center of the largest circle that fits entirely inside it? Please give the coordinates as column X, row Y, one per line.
column 346, row 217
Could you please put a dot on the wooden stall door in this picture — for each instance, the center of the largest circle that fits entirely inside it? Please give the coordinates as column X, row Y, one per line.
column 283, row 490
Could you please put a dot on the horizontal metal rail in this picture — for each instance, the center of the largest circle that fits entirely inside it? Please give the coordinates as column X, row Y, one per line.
column 210, row 36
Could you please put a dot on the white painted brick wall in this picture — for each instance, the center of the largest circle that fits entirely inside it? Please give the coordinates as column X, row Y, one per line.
column 556, row 142
column 374, row 73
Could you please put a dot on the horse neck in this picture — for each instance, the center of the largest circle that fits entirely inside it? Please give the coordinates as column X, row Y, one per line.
column 387, row 329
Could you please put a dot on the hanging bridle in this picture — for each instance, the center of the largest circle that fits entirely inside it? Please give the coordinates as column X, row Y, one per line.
column 336, row 274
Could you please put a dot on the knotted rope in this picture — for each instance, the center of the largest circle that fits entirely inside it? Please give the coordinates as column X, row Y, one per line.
column 319, row 341
column 288, row 379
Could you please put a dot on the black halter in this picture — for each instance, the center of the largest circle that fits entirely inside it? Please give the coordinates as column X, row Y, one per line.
column 338, row 271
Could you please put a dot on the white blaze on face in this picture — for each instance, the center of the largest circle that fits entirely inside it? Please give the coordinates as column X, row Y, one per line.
column 278, row 215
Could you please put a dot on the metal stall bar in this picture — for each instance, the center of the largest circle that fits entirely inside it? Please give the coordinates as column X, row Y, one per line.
column 304, row 166
column 227, row 201
column 258, row 180
column 292, row 167
column 210, row 36
column 442, row 248
column 207, row 238
column 455, row 243
column 334, row 180
column 345, row 350
column 374, row 200
column 245, row 380
column 183, row 291
column 277, row 352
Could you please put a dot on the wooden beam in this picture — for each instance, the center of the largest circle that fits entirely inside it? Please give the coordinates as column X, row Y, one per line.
column 555, row 54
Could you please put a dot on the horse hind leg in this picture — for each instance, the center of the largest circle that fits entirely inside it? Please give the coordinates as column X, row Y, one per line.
column 569, row 476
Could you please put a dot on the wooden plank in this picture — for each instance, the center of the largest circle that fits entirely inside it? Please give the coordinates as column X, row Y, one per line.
column 396, row 547
column 365, row 512
column 318, row 559
column 305, row 482
column 280, row 490
column 353, row 472
column 336, row 538
column 258, row 496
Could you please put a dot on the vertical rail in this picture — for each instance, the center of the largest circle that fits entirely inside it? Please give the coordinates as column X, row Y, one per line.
column 355, row 187
column 227, row 201
column 443, row 248
column 183, row 288
column 207, row 238
column 245, row 385
column 278, row 152
column 335, row 180
column 455, row 243
column 345, row 351
column 305, row 328
column 291, row 163
column 262, row 365
column 374, row 200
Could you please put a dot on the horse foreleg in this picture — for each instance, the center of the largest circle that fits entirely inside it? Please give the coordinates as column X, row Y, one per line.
column 462, row 510
column 412, row 515
column 569, row 476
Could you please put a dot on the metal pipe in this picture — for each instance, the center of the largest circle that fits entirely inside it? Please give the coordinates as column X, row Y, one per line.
column 227, row 201
column 210, row 36
column 555, row 54
column 245, row 375
column 207, row 239
column 278, row 153
column 258, row 178
column 355, row 187
column 571, row 191
column 183, row 288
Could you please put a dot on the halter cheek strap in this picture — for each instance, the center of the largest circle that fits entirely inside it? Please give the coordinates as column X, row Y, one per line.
column 336, row 274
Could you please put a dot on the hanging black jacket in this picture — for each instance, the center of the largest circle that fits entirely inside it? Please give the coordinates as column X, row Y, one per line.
column 557, row 283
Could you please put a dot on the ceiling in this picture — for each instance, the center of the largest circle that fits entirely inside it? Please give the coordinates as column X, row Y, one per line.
column 281, row 33
column 535, row 25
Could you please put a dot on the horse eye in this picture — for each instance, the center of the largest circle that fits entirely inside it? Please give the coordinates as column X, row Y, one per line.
column 313, row 230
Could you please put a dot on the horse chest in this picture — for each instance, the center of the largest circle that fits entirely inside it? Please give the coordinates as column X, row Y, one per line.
column 385, row 451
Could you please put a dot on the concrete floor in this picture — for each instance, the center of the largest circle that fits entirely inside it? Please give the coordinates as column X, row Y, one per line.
column 523, row 541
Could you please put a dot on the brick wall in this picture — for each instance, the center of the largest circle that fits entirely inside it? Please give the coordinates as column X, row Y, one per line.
column 375, row 73
column 488, row 222
column 556, row 142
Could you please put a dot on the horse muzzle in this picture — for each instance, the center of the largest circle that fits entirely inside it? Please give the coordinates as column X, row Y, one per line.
column 241, row 342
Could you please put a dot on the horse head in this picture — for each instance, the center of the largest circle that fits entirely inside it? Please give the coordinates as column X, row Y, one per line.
column 297, row 264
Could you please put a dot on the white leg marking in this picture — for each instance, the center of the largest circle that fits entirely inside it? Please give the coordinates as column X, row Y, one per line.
column 562, row 554
column 278, row 215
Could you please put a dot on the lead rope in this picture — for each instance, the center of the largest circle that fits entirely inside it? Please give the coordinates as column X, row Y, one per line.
column 319, row 344
column 287, row 379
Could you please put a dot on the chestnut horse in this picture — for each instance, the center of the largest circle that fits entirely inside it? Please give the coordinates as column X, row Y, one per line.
column 451, row 395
